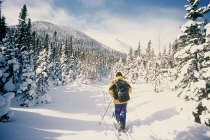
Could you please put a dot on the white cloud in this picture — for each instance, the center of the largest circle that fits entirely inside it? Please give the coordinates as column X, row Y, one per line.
column 37, row 10
column 133, row 30
column 93, row 3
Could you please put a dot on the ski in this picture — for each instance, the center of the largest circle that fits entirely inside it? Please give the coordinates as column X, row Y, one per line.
column 122, row 134
column 117, row 133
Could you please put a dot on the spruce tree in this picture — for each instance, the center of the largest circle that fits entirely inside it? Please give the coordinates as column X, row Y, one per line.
column 64, row 66
column 149, row 61
column 190, row 59
column 23, row 42
column 2, row 28
column 22, row 30
column 8, row 68
column 42, row 78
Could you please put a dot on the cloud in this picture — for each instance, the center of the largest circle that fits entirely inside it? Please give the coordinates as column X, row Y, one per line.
column 161, row 30
column 41, row 10
column 37, row 10
column 92, row 3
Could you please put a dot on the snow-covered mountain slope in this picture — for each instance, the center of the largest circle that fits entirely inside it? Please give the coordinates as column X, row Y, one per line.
column 121, row 46
column 77, row 108
column 64, row 32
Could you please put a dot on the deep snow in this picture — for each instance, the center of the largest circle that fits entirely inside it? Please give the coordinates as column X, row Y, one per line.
column 76, row 110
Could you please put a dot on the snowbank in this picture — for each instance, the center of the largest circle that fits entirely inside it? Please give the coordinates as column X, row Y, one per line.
column 5, row 99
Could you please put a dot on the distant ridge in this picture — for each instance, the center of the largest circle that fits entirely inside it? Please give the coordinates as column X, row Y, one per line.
column 64, row 31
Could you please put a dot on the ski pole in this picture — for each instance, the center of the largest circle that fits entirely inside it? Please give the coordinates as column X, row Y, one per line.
column 102, row 118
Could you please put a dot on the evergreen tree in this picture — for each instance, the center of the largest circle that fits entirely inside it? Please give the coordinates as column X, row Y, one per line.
column 21, row 42
column 27, row 89
column 42, row 79
column 64, row 65
column 68, row 62
column 148, row 51
column 8, row 67
column 156, row 78
column 55, row 70
column 72, row 68
column 164, row 60
column 202, row 111
column 171, row 56
column 138, row 51
column 149, row 61
column 23, row 30
column 190, row 59
column 2, row 28
column 119, row 66
column 130, row 54
column 25, row 56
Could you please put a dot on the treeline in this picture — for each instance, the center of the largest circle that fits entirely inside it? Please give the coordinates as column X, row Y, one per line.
column 148, row 65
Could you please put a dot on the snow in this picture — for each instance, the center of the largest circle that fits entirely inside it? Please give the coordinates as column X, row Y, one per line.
column 120, row 45
column 207, row 27
column 196, row 48
column 5, row 103
column 188, row 24
column 9, row 86
column 76, row 109
column 15, row 63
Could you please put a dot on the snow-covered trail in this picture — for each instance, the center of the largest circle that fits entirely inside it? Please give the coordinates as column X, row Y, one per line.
column 76, row 111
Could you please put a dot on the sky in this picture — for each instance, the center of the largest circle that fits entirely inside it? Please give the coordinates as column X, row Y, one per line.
column 130, row 21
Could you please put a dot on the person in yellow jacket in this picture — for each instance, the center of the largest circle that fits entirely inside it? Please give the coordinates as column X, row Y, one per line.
column 119, row 84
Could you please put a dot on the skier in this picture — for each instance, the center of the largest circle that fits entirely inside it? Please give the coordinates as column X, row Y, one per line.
column 120, row 105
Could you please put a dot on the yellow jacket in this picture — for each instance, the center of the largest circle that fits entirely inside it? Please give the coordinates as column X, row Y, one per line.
column 111, row 92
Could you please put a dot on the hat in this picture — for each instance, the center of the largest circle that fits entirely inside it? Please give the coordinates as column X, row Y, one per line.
column 118, row 74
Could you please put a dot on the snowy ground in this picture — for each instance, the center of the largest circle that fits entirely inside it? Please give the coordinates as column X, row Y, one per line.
column 76, row 111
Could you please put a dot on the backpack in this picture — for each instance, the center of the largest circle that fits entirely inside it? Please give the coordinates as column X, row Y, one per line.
column 121, row 91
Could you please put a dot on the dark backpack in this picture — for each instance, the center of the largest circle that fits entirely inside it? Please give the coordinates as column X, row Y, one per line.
column 121, row 91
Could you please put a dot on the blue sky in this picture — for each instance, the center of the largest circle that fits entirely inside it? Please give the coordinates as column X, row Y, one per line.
column 130, row 21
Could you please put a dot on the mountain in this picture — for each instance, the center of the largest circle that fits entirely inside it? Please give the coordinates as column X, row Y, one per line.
column 63, row 32
column 121, row 46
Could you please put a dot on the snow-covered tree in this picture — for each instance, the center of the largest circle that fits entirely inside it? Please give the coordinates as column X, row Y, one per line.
column 138, row 52
column 164, row 60
column 23, row 33
column 119, row 66
column 8, row 68
column 149, row 61
column 171, row 56
column 156, row 78
column 202, row 112
column 27, row 88
column 56, row 71
column 64, row 65
column 42, row 79
column 191, row 59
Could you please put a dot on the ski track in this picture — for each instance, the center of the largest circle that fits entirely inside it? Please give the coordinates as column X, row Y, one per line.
column 77, row 109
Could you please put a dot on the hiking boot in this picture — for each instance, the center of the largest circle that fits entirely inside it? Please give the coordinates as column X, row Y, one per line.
column 121, row 126
column 121, row 129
